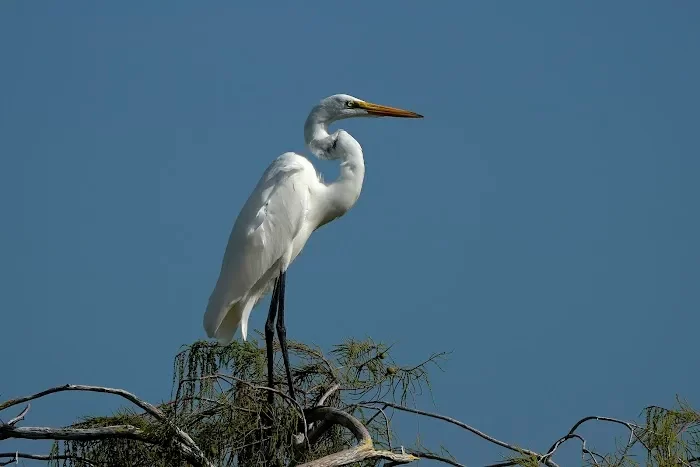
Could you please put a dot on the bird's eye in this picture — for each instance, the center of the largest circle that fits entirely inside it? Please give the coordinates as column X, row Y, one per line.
column 349, row 104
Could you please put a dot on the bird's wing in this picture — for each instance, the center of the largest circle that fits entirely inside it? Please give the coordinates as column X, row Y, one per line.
column 262, row 234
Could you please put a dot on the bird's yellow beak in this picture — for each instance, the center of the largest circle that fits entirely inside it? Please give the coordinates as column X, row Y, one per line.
column 386, row 111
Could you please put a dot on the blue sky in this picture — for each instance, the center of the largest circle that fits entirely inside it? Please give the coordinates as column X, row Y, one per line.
column 540, row 222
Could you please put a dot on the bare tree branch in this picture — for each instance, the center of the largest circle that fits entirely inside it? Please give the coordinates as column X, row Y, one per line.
column 572, row 433
column 362, row 451
column 630, row 426
column 321, row 427
column 42, row 457
column 327, row 394
column 434, row 457
column 286, row 397
column 8, row 430
column 97, row 434
column 471, row 429
column 19, row 417
column 567, row 437
column 75, row 434
column 386, row 420
column 229, row 422
column 151, row 409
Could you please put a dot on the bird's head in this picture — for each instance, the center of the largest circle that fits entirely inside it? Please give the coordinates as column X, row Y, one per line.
column 340, row 106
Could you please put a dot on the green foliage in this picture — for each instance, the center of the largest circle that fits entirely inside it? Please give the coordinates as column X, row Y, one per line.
column 219, row 399
column 669, row 438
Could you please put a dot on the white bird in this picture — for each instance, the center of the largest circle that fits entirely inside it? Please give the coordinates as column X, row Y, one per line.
column 289, row 202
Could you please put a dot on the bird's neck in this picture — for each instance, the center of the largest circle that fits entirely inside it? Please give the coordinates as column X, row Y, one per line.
column 316, row 135
column 340, row 145
column 346, row 189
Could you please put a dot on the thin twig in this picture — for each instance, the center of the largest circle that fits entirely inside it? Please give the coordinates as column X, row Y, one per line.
column 432, row 359
column 434, row 457
column 386, row 420
column 292, row 402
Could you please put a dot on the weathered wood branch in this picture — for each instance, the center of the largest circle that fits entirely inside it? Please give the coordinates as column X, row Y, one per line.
column 14, row 456
column 481, row 434
column 185, row 442
column 19, row 417
column 97, row 434
column 434, row 457
column 74, row 434
column 362, row 451
column 80, row 387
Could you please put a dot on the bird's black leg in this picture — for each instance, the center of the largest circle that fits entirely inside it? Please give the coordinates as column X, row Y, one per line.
column 282, row 333
column 270, row 337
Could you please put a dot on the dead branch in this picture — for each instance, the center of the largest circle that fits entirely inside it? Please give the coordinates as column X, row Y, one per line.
column 380, row 410
column 230, row 378
column 434, row 457
column 74, row 434
column 97, row 434
column 19, row 417
column 572, row 434
column 79, row 387
column 41, row 457
column 362, row 451
column 155, row 432
column 630, row 426
column 327, row 394
column 149, row 408
column 471, row 429
column 316, row 429
column 187, row 445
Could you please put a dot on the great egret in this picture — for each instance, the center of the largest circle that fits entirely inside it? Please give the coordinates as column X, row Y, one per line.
column 289, row 202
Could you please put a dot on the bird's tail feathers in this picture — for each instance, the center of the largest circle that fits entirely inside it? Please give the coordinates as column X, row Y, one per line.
column 222, row 322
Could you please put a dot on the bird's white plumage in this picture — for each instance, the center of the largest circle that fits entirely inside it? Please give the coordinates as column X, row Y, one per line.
column 261, row 243
column 287, row 205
